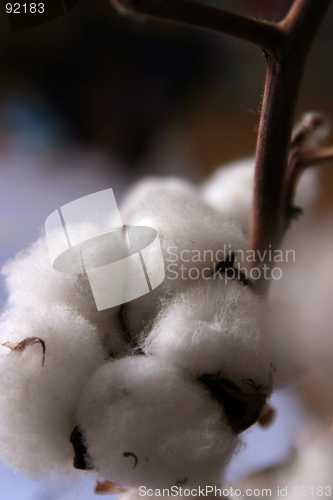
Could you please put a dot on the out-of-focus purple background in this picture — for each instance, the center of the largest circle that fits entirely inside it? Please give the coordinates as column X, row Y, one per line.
column 93, row 100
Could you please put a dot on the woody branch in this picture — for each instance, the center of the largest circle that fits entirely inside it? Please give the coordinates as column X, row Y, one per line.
column 286, row 46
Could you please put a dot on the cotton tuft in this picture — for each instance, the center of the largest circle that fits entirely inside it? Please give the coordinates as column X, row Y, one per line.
column 214, row 328
column 32, row 282
column 38, row 400
column 191, row 235
column 142, row 188
column 229, row 190
column 147, row 423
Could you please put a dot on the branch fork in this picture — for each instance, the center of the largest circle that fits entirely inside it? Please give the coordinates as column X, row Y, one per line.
column 286, row 45
column 303, row 154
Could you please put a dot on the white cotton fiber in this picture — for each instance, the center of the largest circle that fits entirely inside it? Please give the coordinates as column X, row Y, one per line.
column 32, row 282
column 182, row 218
column 215, row 329
column 315, row 288
column 145, row 422
column 305, row 295
column 193, row 238
column 38, row 401
column 140, row 190
column 230, row 190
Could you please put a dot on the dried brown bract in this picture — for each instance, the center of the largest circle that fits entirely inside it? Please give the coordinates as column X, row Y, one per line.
column 267, row 417
column 242, row 409
column 108, row 488
column 129, row 454
column 21, row 346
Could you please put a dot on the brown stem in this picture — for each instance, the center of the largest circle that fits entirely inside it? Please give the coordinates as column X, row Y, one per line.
column 270, row 215
column 309, row 157
column 300, row 160
column 266, row 35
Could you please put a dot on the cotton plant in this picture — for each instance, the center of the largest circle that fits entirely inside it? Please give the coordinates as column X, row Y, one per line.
column 145, row 422
column 157, row 391
column 96, row 392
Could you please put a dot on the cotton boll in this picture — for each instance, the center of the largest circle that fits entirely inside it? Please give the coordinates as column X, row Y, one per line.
column 181, row 217
column 307, row 189
column 285, row 345
column 230, row 191
column 306, row 289
column 215, row 329
column 191, row 235
column 145, row 422
column 316, row 296
column 38, row 400
column 32, row 282
column 304, row 298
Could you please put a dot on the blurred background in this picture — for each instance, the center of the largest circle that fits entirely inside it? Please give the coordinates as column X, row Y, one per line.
column 93, row 100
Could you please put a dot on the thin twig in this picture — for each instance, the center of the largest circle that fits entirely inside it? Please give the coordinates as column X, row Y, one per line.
column 316, row 156
column 266, row 35
column 270, row 217
column 307, row 127
column 300, row 160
